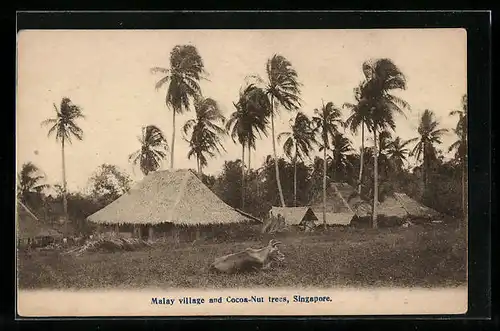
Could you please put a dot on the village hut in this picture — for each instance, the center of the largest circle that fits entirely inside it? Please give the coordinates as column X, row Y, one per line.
column 338, row 212
column 169, row 203
column 30, row 230
column 300, row 217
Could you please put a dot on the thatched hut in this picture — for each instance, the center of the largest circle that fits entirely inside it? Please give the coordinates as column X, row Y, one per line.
column 30, row 230
column 169, row 203
column 300, row 217
column 338, row 212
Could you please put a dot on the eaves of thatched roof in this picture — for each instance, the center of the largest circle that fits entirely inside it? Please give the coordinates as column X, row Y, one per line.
column 29, row 226
column 178, row 197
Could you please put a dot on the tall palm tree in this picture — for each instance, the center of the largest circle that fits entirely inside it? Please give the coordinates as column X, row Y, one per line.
column 460, row 146
column 382, row 77
column 341, row 146
column 360, row 117
column 65, row 128
column 283, row 89
column 30, row 179
column 326, row 125
column 183, row 77
column 249, row 119
column 206, row 131
column 398, row 153
column 298, row 143
column 153, row 150
column 429, row 135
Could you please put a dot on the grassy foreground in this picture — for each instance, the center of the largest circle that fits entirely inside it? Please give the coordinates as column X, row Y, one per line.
column 338, row 258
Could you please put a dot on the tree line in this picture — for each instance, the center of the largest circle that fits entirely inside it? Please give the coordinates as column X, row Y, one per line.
column 374, row 170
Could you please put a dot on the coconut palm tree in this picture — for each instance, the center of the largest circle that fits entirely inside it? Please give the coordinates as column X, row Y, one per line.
column 283, row 89
column 153, row 150
column 326, row 121
column 460, row 146
column 341, row 146
column 29, row 180
column 382, row 77
column 249, row 119
column 398, row 153
column 64, row 126
column 182, row 79
column 429, row 135
column 360, row 117
column 298, row 143
column 205, row 131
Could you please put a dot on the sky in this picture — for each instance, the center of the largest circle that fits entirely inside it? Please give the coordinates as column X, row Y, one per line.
column 107, row 73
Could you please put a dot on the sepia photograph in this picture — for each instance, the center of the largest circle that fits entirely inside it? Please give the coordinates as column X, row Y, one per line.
column 241, row 172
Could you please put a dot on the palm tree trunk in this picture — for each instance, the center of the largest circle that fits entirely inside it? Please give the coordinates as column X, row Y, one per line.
column 173, row 141
column 249, row 158
column 464, row 193
column 282, row 199
column 64, row 197
column 243, row 176
column 375, row 180
column 295, row 178
column 361, row 157
column 424, row 170
column 324, row 184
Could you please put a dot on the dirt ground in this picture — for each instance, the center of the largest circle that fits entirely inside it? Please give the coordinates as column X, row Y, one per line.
column 405, row 257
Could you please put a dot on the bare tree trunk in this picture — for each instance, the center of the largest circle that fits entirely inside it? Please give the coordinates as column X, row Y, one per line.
column 282, row 199
column 295, row 178
column 249, row 157
column 375, row 180
column 243, row 176
column 173, row 141
column 324, row 184
column 361, row 157
column 64, row 192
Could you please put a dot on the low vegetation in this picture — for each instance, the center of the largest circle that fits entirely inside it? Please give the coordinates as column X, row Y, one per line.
column 336, row 258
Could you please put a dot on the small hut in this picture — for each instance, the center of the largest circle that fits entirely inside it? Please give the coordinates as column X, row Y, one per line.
column 169, row 203
column 301, row 217
column 338, row 211
column 30, row 230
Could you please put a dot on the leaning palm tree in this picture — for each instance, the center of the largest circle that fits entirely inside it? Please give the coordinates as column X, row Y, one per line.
column 298, row 144
column 398, row 153
column 382, row 77
column 65, row 128
column 326, row 123
column 429, row 135
column 360, row 117
column 249, row 119
column 283, row 89
column 186, row 69
column 153, row 150
column 460, row 146
column 205, row 131
column 30, row 179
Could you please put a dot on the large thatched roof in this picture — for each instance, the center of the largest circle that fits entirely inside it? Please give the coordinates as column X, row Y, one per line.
column 29, row 226
column 340, row 208
column 294, row 215
column 176, row 196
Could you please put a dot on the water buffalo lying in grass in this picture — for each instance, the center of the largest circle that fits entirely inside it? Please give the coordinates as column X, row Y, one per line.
column 249, row 260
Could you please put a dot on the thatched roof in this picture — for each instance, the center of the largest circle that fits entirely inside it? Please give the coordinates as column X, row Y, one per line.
column 335, row 218
column 413, row 207
column 29, row 226
column 294, row 215
column 177, row 196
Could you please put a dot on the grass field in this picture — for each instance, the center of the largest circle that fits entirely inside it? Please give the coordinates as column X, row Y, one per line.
column 338, row 258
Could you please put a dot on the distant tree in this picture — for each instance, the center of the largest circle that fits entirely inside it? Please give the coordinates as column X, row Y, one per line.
column 298, row 144
column 65, row 128
column 205, row 131
column 340, row 163
column 327, row 119
column 186, row 69
column 429, row 135
column 153, row 150
column 382, row 77
column 249, row 119
column 29, row 180
column 460, row 146
column 398, row 153
column 283, row 89
column 108, row 183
